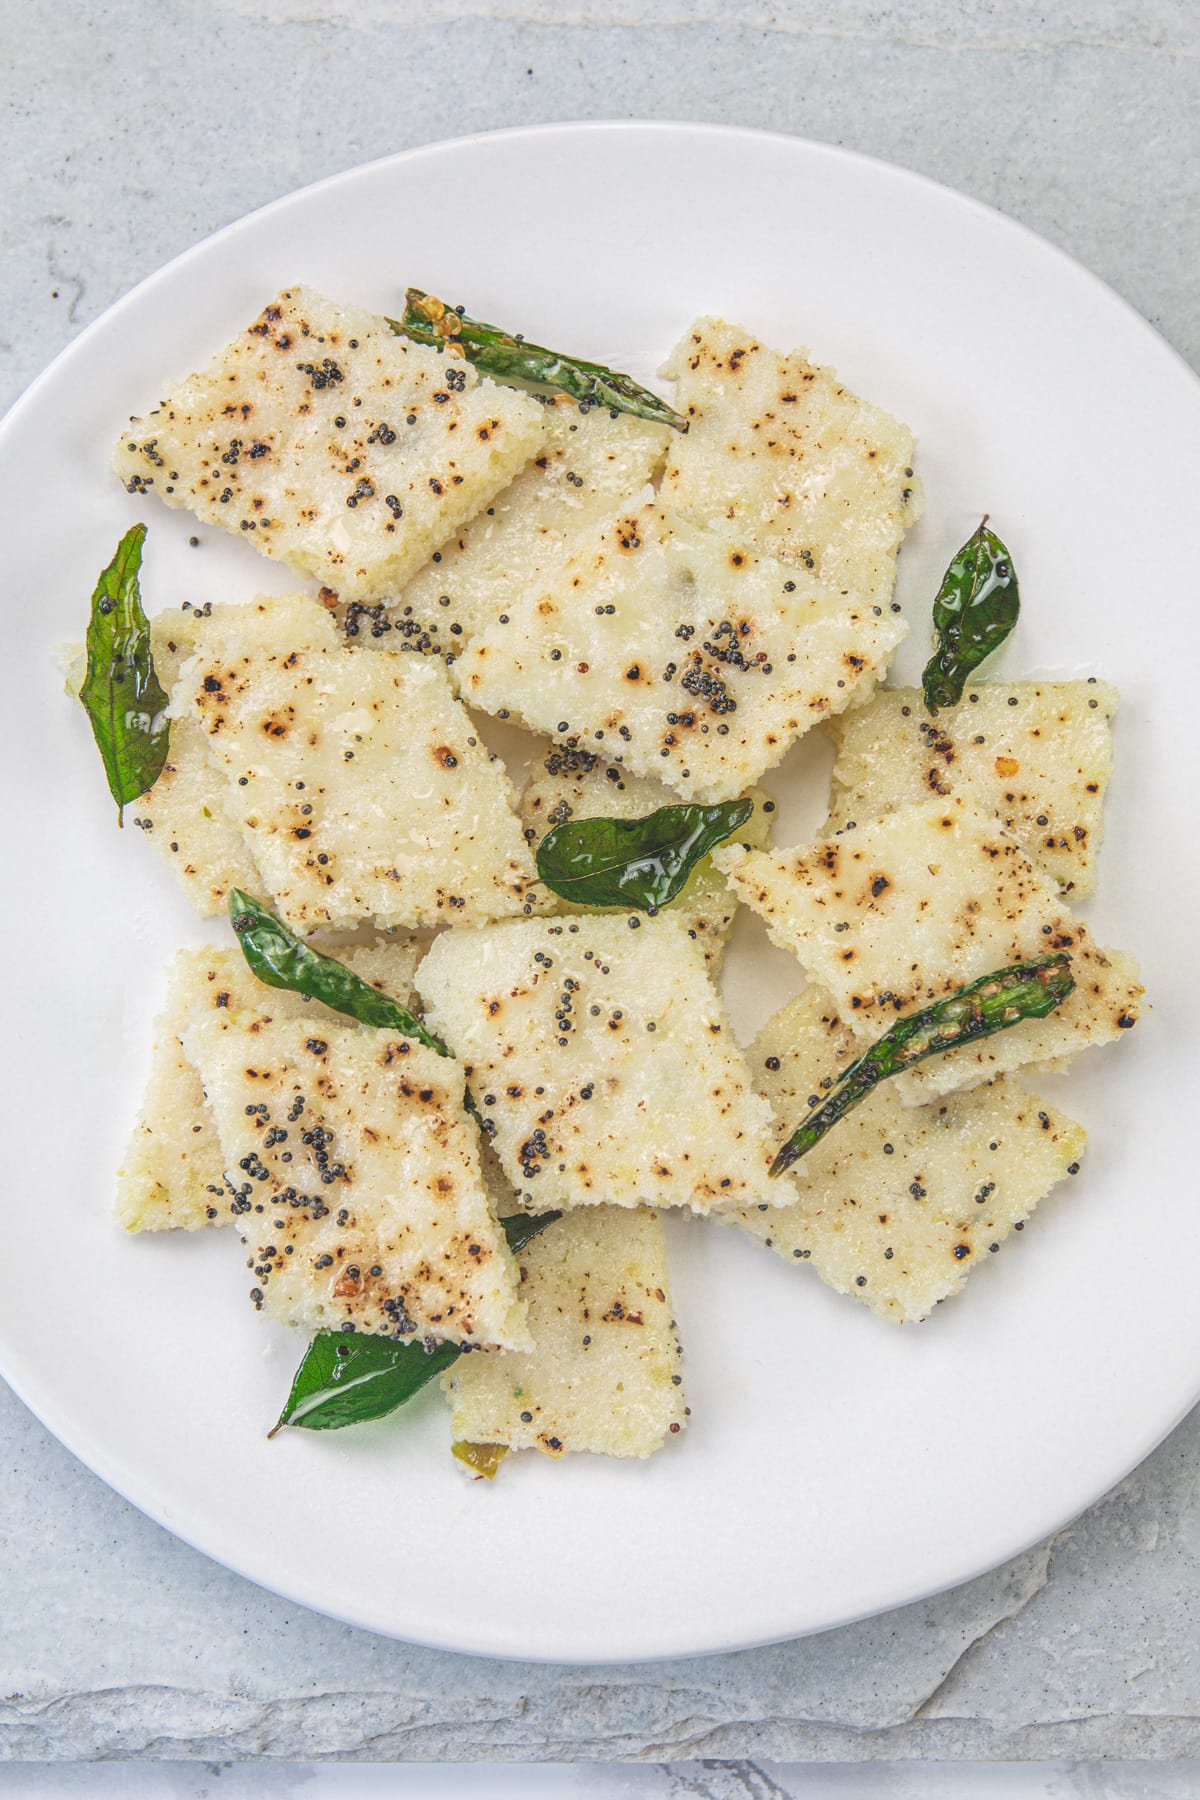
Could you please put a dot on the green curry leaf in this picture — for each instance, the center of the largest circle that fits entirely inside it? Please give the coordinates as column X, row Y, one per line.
column 640, row 863
column 513, row 359
column 975, row 609
column 121, row 693
column 281, row 959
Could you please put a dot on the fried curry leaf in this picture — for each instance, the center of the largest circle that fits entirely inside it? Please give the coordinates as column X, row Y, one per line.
column 975, row 609
column 121, row 694
column 506, row 358
column 640, row 863
column 346, row 1378
column 1026, row 990
column 281, row 959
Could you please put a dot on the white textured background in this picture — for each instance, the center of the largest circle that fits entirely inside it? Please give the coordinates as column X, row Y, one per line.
column 128, row 131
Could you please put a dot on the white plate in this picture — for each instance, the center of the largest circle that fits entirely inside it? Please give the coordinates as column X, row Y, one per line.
column 835, row 1466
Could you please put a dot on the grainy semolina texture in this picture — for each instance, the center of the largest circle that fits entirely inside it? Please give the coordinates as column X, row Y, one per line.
column 603, row 1062
column 907, row 907
column 172, row 1174
column 356, row 777
column 604, row 1373
column 187, row 814
column 779, row 453
column 898, row 1204
column 331, row 445
column 359, row 1195
column 693, row 660
column 575, row 784
column 1037, row 752
column 581, row 474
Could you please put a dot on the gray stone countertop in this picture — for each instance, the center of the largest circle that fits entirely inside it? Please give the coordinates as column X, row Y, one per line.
column 129, row 131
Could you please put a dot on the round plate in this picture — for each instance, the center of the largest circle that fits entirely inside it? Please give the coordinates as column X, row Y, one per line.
column 834, row 1465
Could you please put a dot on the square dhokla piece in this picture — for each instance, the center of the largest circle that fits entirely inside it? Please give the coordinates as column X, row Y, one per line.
column 332, row 445
column 604, row 1372
column 584, row 470
column 1037, row 752
column 356, row 777
column 900, row 1203
column 576, row 784
column 909, row 907
column 781, row 454
column 359, row 1193
column 172, row 1174
column 693, row 660
column 603, row 1063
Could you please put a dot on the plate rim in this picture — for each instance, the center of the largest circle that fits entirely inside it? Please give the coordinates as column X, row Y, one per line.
column 114, row 1469
column 580, row 127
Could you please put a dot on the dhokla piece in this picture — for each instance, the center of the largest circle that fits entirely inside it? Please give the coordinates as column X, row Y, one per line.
column 901, row 1203
column 695, row 661
column 603, row 1063
column 186, row 812
column 576, row 784
column 357, row 779
column 358, row 1187
column 1038, row 752
column 587, row 466
column 910, row 906
column 778, row 452
column 332, row 445
column 172, row 1175
column 604, row 1371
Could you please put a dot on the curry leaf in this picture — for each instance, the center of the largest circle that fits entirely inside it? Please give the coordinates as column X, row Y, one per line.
column 121, row 694
column 975, row 609
column 281, row 959
column 641, row 863
column 506, row 358
column 1027, row 990
column 346, row 1378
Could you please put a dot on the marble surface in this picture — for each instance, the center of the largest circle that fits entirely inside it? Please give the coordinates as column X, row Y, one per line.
column 116, row 1640
column 136, row 129
column 740, row 1780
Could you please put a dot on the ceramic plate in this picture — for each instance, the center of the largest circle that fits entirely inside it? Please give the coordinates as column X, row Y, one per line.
column 834, row 1466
